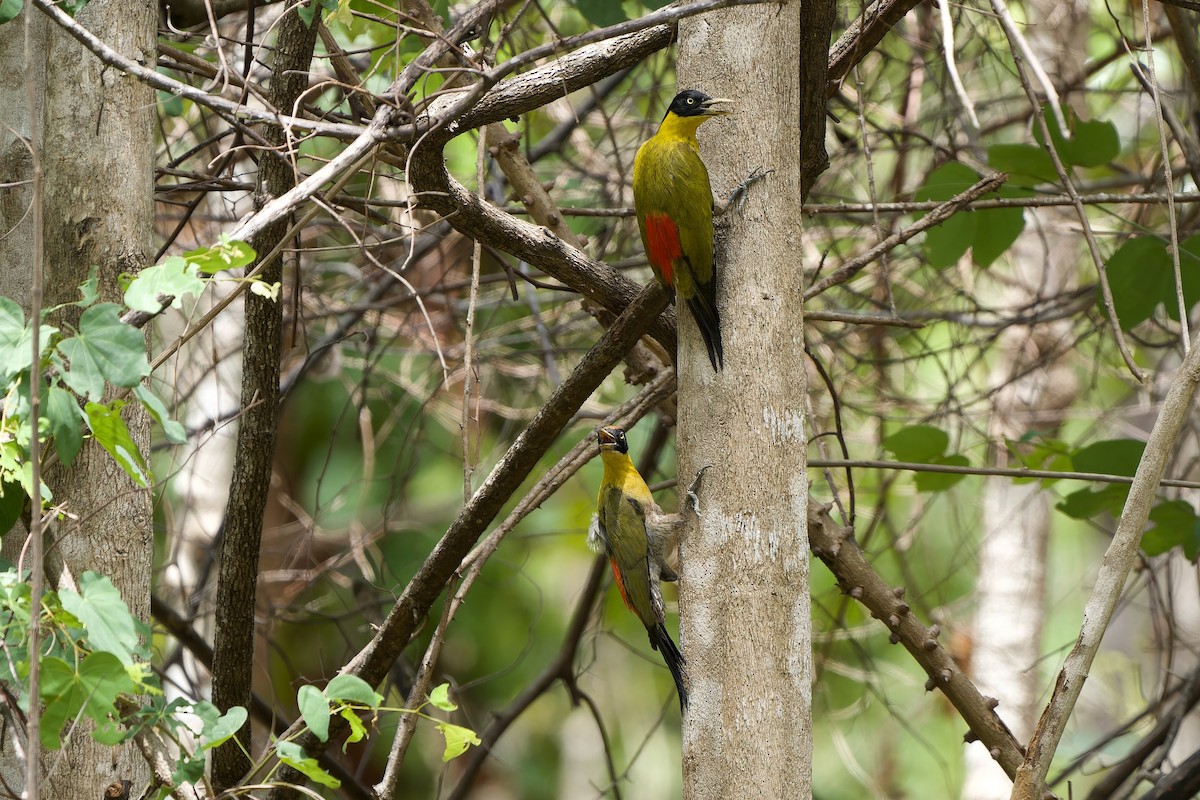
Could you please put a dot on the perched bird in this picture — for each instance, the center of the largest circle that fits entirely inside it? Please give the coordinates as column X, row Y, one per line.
column 674, row 205
column 638, row 537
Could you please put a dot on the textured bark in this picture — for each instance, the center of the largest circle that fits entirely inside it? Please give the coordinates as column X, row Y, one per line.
column 745, row 621
column 97, row 157
column 233, row 651
column 1037, row 389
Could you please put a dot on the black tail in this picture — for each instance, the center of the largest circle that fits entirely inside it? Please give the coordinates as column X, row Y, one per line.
column 709, row 323
column 661, row 641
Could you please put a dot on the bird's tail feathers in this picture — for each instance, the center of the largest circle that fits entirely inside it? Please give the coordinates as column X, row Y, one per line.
column 709, row 322
column 661, row 641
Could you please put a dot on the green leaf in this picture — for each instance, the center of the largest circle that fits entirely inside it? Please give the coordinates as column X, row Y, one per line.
column 174, row 431
column 169, row 104
column 1141, row 276
column 228, row 254
column 315, row 710
column 104, row 348
column 440, row 698
column 948, row 241
column 1022, row 160
column 1189, row 270
column 1109, row 457
column 293, row 755
column 219, row 728
column 1085, row 504
column 66, row 421
column 995, row 232
column 104, row 615
column 9, row 9
column 358, row 731
column 89, row 290
column 352, row 689
column 941, row 481
column 175, row 278
column 16, row 339
column 458, row 739
column 188, row 770
column 12, row 502
column 601, row 13
column 93, row 689
column 1175, row 524
column 109, row 733
column 12, row 324
column 919, row 443
column 113, row 435
column 1087, row 144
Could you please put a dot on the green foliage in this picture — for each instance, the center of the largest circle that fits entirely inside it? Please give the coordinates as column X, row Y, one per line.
column 77, row 366
column 987, row 233
column 1086, row 143
column 9, row 9
column 1023, row 162
column 308, row 12
column 87, row 659
column 1141, row 275
column 346, row 696
column 113, row 435
column 1175, row 525
column 925, row 444
column 601, row 13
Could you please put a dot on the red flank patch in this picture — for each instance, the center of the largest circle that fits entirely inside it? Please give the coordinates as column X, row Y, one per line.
column 662, row 240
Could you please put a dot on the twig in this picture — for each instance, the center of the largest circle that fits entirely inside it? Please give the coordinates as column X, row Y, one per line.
column 952, row 65
column 950, row 469
column 938, row 215
column 33, row 754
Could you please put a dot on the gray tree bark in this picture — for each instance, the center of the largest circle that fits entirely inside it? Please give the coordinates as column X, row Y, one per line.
column 745, row 619
column 97, row 153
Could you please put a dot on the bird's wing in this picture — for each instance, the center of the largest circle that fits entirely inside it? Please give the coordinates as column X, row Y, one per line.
column 624, row 519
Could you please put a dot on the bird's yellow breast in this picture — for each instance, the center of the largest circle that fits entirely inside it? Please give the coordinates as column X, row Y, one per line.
column 619, row 472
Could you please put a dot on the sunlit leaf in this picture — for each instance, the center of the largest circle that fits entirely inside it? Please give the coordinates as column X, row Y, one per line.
column 352, row 689
column 440, row 698
column 113, row 435
column 103, row 612
column 104, row 349
column 458, row 739
column 293, row 755
column 314, row 708
column 174, row 278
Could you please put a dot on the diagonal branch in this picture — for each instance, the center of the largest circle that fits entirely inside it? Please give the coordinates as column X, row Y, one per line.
column 838, row 549
column 375, row 659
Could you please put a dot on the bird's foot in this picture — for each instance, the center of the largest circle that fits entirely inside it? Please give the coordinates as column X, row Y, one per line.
column 737, row 198
column 692, row 497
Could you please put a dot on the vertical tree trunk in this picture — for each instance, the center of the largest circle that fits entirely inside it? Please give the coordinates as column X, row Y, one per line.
column 233, row 649
column 97, row 153
column 744, row 598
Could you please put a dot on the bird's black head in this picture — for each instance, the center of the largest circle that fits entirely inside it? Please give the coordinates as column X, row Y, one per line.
column 612, row 439
column 694, row 103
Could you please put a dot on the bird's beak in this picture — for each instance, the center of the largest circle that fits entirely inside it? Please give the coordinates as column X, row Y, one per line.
column 605, row 436
column 709, row 111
